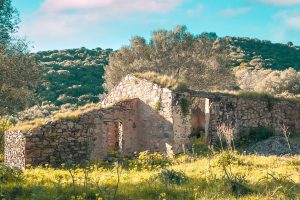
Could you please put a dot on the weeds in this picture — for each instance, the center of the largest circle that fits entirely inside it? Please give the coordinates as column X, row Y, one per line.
column 157, row 106
column 220, row 175
column 169, row 177
column 119, row 172
column 227, row 133
column 164, row 80
column 8, row 174
column 150, row 161
column 238, row 183
column 5, row 124
column 286, row 133
column 254, row 135
column 185, row 106
column 282, row 184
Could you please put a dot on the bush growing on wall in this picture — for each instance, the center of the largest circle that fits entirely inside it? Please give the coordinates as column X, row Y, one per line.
column 184, row 105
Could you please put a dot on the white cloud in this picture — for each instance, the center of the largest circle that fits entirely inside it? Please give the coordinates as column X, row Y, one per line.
column 235, row 12
column 293, row 22
column 118, row 6
column 279, row 2
column 289, row 19
column 285, row 26
column 69, row 20
column 196, row 10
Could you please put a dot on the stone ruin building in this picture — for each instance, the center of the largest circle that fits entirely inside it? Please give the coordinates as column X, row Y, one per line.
column 139, row 115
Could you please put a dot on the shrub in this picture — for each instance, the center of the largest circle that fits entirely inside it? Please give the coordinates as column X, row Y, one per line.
column 4, row 125
column 260, row 133
column 8, row 174
column 237, row 182
column 164, row 80
column 170, row 176
column 181, row 86
column 227, row 133
column 269, row 81
column 184, row 105
column 157, row 106
column 151, row 161
column 199, row 146
column 256, row 95
column 254, row 135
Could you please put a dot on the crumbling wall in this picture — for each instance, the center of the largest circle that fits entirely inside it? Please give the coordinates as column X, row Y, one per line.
column 155, row 121
column 243, row 113
column 72, row 139
column 161, row 124
column 181, row 109
column 14, row 147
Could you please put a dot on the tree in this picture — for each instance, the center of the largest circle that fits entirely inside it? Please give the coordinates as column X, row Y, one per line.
column 200, row 61
column 9, row 19
column 290, row 44
column 19, row 73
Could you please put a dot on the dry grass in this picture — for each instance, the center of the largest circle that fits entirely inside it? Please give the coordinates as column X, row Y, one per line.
column 69, row 115
column 258, row 95
column 164, row 80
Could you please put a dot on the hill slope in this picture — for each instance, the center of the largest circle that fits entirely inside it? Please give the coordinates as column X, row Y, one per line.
column 264, row 54
column 75, row 75
column 72, row 76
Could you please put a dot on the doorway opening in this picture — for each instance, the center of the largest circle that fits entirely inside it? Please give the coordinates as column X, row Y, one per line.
column 198, row 122
column 200, row 117
column 115, row 141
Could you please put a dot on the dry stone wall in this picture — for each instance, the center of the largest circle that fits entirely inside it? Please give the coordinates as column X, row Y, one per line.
column 143, row 116
column 14, row 147
column 72, row 140
column 244, row 113
column 161, row 124
column 182, row 123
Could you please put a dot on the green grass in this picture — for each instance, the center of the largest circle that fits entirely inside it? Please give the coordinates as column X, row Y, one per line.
column 264, row 177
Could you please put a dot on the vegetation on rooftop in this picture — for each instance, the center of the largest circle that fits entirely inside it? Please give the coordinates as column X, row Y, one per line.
column 164, row 80
column 63, row 114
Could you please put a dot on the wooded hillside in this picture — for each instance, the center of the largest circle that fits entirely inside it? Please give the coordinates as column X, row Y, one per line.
column 72, row 76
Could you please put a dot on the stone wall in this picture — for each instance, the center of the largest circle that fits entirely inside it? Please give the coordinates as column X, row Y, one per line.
column 143, row 116
column 14, row 147
column 161, row 122
column 182, row 124
column 243, row 113
column 74, row 140
column 148, row 114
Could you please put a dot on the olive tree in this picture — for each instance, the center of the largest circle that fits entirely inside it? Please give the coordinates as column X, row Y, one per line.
column 199, row 60
column 19, row 73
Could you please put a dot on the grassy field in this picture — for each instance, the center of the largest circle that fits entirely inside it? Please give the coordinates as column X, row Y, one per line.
column 225, row 175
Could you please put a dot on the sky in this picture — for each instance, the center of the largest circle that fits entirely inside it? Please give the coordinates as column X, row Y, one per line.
column 64, row 24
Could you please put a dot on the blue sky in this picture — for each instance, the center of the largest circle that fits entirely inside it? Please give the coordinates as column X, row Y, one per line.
column 62, row 24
